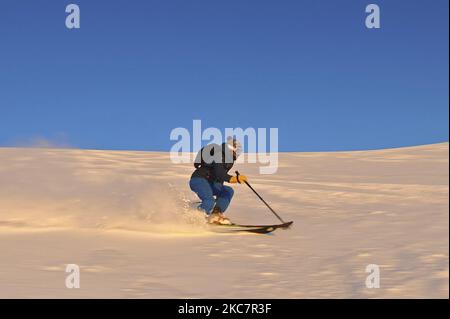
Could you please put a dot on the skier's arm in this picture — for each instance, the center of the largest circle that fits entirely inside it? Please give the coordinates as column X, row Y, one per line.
column 220, row 173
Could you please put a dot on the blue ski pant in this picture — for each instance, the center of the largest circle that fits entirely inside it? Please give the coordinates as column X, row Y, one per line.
column 211, row 194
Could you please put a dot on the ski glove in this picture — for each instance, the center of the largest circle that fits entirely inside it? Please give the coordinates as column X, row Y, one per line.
column 234, row 179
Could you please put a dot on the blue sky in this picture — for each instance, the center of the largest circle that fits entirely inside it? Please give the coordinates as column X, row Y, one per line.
column 137, row 69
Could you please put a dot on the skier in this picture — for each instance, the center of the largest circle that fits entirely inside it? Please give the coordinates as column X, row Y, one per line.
column 212, row 165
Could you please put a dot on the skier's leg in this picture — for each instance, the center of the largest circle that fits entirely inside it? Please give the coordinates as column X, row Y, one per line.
column 202, row 188
column 224, row 195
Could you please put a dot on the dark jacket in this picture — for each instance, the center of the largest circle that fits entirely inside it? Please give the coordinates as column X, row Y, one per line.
column 214, row 167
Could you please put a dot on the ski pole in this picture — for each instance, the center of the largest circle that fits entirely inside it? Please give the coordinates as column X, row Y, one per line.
column 259, row 196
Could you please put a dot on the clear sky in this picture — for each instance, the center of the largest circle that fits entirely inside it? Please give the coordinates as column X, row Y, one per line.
column 137, row 69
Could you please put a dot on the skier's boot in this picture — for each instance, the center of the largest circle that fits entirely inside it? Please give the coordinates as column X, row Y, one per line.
column 217, row 217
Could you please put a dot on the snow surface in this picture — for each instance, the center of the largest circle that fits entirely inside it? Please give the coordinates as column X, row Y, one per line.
column 122, row 217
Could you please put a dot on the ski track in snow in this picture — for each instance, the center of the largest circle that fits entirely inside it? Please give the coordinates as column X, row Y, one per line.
column 122, row 216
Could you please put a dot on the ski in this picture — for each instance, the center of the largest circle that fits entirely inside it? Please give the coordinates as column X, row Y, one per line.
column 259, row 229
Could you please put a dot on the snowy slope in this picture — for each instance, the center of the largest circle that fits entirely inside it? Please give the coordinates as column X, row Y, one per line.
column 120, row 216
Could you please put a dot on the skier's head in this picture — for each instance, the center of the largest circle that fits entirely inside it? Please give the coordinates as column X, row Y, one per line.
column 234, row 146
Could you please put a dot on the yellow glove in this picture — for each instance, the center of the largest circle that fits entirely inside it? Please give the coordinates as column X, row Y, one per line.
column 242, row 179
